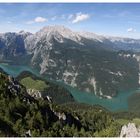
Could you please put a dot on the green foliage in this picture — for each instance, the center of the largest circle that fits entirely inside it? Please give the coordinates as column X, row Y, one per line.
column 136, row 121
column 19, row 113
column 134, row 102
column 30, row 83
column 113, row 130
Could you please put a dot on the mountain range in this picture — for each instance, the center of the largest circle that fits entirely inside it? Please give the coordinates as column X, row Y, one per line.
column 102, row 65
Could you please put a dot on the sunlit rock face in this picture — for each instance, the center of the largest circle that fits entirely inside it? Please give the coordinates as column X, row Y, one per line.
column 99, row 64
column 130, row 130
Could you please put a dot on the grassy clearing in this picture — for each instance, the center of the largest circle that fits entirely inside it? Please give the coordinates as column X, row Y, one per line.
column 136, row 121
column 30, row 83
column 125, row 121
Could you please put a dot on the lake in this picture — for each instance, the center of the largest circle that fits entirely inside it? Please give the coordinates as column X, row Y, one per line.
column 118, row 103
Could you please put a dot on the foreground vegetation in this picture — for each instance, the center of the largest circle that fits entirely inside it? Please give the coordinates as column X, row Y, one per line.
column 22, row 115
column 134, row 102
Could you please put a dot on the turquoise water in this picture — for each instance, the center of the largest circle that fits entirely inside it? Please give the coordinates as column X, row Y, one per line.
column 15, row 70
column 115, row 104
column 118, row 103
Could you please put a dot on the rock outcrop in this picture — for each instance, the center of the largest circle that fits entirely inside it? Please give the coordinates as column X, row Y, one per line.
column 130, row 130
column 34, row 93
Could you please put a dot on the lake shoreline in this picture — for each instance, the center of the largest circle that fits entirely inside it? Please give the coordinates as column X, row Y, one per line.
column 120, row 102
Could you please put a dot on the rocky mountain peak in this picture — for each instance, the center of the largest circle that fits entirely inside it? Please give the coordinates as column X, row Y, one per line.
column 58, row 32
column 92, row 36
column 24, row 33
column 59, row 28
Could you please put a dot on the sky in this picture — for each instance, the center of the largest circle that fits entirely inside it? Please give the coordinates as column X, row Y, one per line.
column 113, row 19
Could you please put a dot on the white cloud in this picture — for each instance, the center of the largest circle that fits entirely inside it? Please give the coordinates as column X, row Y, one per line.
column 37, row 20
column 131, row 30
column 40, row 19
column 80, row 17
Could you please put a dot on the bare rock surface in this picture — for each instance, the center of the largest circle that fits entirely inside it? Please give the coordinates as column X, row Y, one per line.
column 130, row 130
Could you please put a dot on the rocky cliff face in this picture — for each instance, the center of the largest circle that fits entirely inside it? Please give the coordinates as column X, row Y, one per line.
column 12, row 44
column 83, row 60
column 130, row 130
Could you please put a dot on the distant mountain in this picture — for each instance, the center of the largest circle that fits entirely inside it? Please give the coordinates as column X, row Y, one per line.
column 117, row 43
column 89, row 62
column 12, row 46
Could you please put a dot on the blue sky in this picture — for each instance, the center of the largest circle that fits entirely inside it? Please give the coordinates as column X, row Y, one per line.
column 102, row 18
